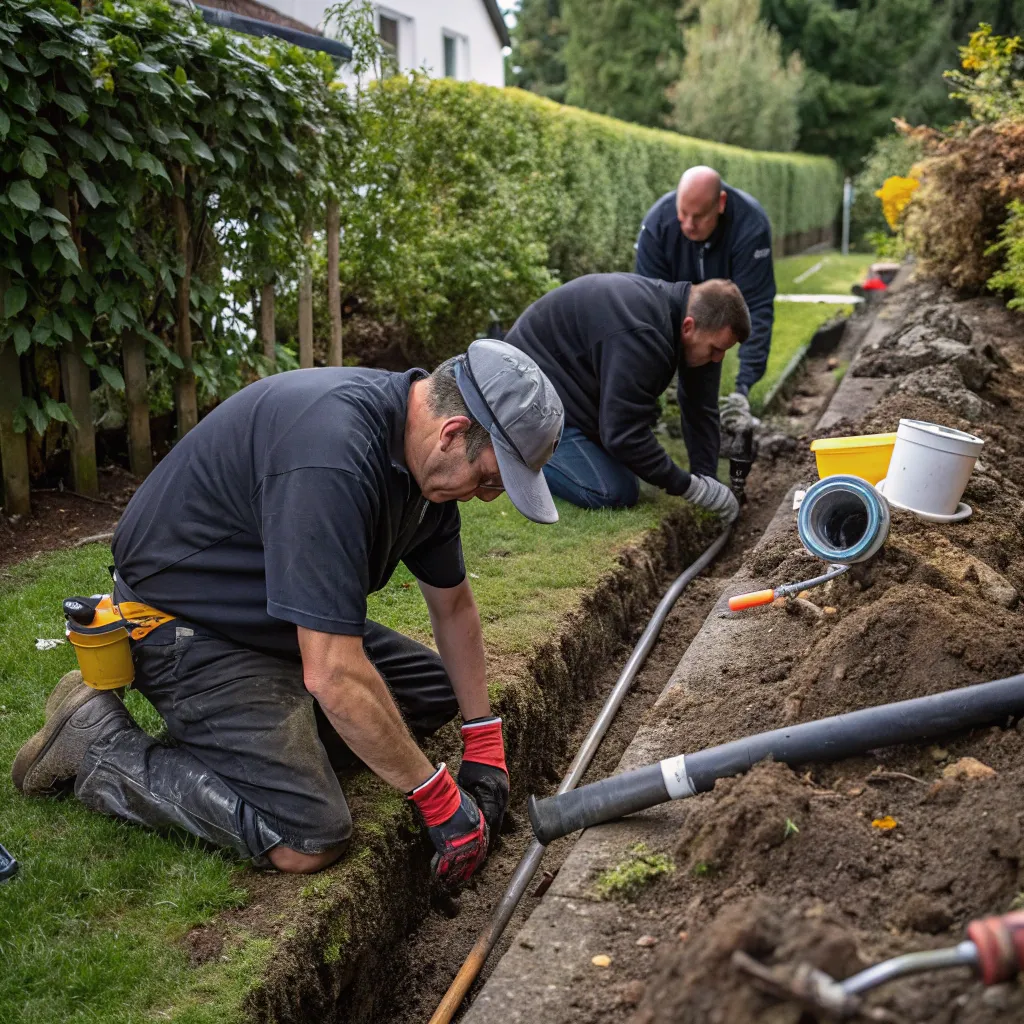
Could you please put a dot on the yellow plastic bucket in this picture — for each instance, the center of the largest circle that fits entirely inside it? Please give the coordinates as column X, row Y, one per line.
column 104, row 658
column 866, row 456
column 102, row 647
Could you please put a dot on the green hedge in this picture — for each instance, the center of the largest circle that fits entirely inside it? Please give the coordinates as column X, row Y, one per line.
column 472, row 199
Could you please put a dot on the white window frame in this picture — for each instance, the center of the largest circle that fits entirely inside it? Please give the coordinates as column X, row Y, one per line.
column 462, row 68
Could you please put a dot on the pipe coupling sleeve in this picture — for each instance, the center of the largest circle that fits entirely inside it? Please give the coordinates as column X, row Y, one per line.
column 843, row 520
column 557, row 816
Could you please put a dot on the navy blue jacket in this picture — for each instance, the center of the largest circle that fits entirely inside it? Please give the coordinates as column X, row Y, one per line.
column 739, row 249
column 610, row 344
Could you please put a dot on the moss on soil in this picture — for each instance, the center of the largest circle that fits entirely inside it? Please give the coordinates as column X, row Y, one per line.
column 638, row 870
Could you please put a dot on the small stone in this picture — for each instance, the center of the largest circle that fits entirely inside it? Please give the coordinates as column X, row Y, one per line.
column 855, row 791
column 632, row 992
column 818, row 910
column 646, row 941
column 526, row 944
column 839, row 673
column 968, row 768
column 937, row 754
column 997, row 996
column 683, row 936
column 830, row 609
column 601, row 960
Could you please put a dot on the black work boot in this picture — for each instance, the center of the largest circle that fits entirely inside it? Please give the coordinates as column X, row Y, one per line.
column 76, row 717
column 132, row 776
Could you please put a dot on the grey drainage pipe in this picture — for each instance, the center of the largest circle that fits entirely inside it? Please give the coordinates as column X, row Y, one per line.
column 527, row 867
column 828, row 739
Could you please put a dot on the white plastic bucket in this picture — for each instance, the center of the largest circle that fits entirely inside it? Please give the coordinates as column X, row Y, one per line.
column 930, row 466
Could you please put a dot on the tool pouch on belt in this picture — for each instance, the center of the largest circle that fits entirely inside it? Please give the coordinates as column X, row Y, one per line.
column 99, row 630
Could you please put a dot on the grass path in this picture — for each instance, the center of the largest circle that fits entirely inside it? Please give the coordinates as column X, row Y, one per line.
column 796, row 322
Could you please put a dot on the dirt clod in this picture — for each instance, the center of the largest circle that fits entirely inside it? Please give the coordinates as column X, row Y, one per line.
column 968, row 768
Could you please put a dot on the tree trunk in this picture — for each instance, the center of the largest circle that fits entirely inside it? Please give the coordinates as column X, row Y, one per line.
column 140, row 447
column 13, row 446
column 333, row 284
column 185, row 404
column 268, row 329
column 306, row 307
column 75, row 376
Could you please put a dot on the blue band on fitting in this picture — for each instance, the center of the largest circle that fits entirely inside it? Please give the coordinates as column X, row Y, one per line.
column 877, row 519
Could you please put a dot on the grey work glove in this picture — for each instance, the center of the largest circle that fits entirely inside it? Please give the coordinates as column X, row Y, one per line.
column 734, row 413
column 707, row 492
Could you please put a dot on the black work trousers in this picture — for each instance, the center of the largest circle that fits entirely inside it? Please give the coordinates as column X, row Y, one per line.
column 254, row 759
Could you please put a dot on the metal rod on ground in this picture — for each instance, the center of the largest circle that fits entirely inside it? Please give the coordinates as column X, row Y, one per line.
column 827, row 739
column 527, row 867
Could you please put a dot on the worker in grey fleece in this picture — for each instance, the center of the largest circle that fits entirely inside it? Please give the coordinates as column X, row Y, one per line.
column 707, row 229
column 611, row 344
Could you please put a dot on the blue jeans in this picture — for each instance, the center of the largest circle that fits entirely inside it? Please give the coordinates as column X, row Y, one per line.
column 582, row 472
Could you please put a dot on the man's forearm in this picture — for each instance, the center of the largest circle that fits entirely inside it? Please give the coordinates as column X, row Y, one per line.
column 459, row 638
column 360, row 708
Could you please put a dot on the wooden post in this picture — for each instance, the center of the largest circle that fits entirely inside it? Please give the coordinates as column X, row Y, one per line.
column 77, row 394
column 13, row 446
column 185, row 404
column 334, row 353
column 140, row 447
column 306, row 306
column 268, row 328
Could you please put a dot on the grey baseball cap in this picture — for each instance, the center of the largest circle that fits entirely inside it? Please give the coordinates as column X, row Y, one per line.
column 509, row 395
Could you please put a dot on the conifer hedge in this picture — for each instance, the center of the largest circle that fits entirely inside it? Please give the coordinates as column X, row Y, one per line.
column 472, row 200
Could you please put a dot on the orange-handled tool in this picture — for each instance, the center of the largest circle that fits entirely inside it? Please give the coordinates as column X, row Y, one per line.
column 751, row 600
column 758, row 597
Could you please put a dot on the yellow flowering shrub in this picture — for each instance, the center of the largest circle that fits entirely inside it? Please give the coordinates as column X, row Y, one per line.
column 895, row 193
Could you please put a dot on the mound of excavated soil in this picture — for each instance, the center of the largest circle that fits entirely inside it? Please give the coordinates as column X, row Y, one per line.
column 786, row 865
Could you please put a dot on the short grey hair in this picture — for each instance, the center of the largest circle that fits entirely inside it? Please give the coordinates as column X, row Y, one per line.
column 446, row 400
column 719, row 303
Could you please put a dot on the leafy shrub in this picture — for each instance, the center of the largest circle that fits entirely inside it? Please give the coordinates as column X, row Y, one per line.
column 469, row 200
column 120, row 128
column 954, row 221
column 990, row 79
column 1011, row 246
column 974, row 172
column 893, row 155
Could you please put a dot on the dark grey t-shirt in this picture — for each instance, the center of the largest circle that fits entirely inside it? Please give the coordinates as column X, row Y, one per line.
column 286, row 506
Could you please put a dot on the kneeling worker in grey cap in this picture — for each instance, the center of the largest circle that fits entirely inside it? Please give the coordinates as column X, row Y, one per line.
column 252, row 548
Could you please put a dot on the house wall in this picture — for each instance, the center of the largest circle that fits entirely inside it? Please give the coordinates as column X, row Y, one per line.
column 422, row 27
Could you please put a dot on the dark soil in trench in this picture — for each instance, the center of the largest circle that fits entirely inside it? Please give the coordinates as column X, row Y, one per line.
column 789, row 865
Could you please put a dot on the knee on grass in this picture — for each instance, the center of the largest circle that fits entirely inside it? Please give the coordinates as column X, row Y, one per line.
column 293, row 862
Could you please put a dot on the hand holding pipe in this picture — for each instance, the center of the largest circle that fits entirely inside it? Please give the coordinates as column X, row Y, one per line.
column 828, row 739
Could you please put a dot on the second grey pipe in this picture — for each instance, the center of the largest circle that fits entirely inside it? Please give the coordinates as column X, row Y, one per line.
column 530, row 861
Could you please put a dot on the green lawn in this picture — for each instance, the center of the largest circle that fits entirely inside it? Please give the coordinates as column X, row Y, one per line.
column 89, row 928
column 834, row 277
column 796, row 322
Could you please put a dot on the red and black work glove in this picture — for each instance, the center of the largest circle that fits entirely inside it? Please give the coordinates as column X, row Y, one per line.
column 455, row 825
column 483, row 770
